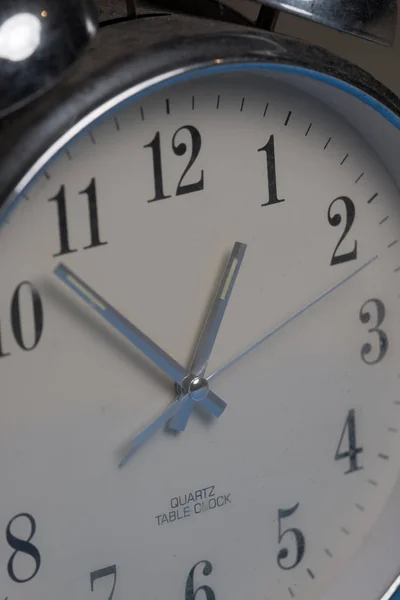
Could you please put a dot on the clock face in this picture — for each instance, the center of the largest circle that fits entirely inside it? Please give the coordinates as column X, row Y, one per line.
column 168, row 239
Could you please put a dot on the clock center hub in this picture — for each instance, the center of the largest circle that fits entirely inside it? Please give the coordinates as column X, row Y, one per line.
column 196, row 387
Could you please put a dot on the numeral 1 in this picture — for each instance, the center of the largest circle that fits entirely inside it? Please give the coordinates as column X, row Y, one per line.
column 63, row 229
column 269, row 150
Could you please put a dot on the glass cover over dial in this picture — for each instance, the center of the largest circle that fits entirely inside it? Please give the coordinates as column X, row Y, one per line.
column 233, row 193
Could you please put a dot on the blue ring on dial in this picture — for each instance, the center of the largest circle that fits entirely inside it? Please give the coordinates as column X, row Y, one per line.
column 385, row 112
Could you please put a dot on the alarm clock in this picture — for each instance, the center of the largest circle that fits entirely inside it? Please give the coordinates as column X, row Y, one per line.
column 199, row 310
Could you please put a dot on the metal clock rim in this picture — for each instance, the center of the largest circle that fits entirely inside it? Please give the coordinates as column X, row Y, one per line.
column 212, row 45
column 140, row 90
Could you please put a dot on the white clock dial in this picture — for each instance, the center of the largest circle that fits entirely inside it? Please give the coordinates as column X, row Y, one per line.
column 272, row 496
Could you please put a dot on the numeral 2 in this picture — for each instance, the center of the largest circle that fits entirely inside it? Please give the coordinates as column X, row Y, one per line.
column 269, row 150
column 17, row 322
column 179, row 149
column 335, row 220
column 63, row 229
column 106, row 572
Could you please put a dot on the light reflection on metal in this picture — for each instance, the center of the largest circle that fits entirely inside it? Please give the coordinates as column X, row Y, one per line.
column 374, row 20
column 20, row 37
column 37, row 45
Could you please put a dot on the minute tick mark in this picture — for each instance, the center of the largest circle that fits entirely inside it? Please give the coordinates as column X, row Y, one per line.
column 360, row 507
column 327, row 143
column 92, row 138
column 218, row 101
column 392, row 243
column 345, row 158
column 68, row 153
column 288, row 118
column 265, row 110
column 345, row 531
column 308, row 130
column 46, row 174
column 372, row 482
column 142, row 113
column 192, row 102
column 242, row 105
column 383, row 220
column 383, row 456
column 372, row 198
column 290, row 592
column 167, row 106
column 311, row 574
column 116, row 123
column 328, row 553
column 359, row 177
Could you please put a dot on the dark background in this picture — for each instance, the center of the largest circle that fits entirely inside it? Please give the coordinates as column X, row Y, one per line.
column 382, row 62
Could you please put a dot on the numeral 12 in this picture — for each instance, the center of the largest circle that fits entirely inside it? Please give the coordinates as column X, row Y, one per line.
column 63, row 229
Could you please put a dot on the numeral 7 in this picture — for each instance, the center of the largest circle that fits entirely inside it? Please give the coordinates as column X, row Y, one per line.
column 106, row 572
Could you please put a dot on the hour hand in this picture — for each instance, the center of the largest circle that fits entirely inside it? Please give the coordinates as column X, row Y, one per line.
column 211, row 328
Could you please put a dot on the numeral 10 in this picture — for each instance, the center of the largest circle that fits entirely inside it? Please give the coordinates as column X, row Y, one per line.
column 17, row 322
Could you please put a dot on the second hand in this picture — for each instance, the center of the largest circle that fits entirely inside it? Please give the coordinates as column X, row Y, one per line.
column 292, row 318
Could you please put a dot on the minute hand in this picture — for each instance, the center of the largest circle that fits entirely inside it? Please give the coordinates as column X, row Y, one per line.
column 156, row 354
column 290, row 319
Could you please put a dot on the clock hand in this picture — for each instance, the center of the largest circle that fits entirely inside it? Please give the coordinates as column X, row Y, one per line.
column 292, row 318
column 173, row 409
column 153, row 352
column 211, row 328
column 159, row 422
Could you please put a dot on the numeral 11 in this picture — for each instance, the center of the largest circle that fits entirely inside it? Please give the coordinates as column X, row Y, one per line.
column 60, row 199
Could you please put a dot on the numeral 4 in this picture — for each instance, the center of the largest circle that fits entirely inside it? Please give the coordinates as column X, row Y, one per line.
column 348, row 436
